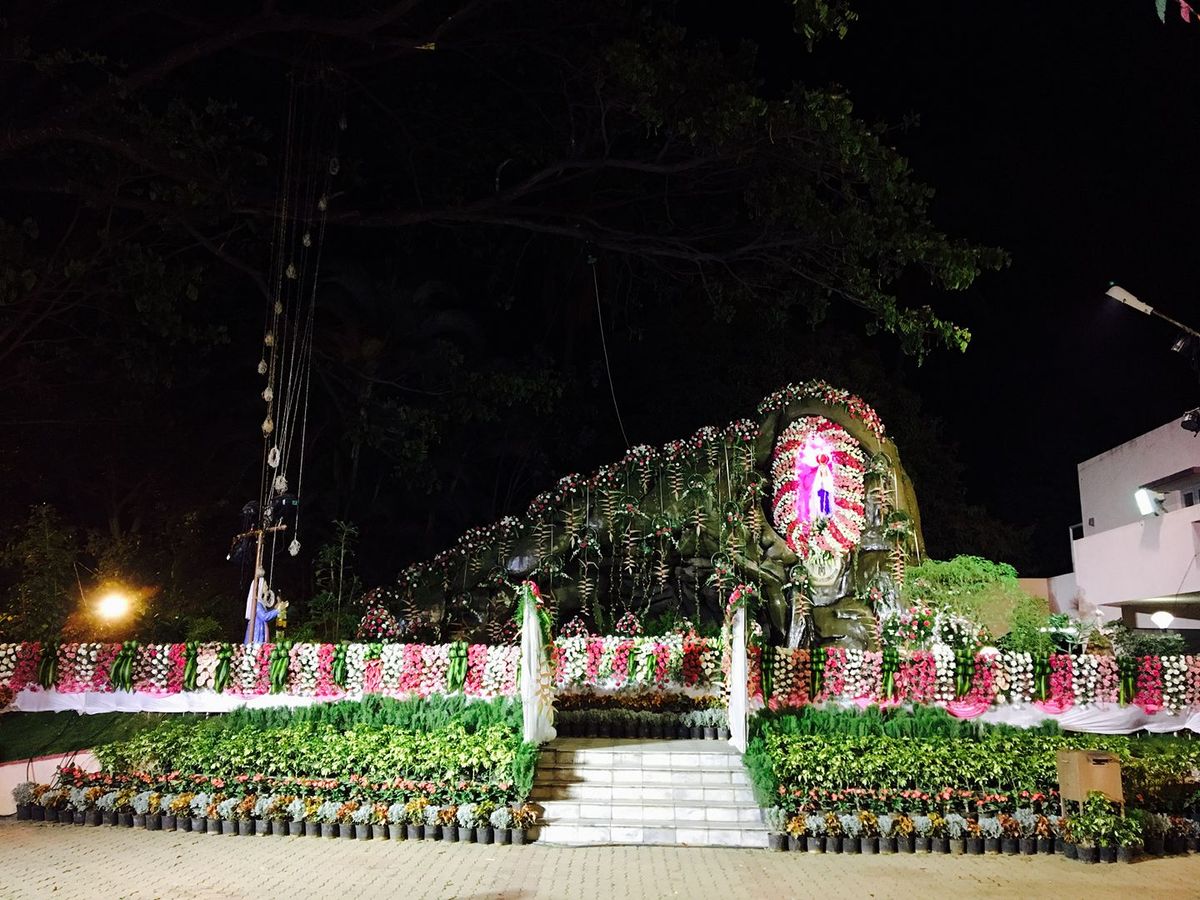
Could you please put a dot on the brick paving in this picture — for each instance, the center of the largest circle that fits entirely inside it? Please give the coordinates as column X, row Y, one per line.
column 68, row 862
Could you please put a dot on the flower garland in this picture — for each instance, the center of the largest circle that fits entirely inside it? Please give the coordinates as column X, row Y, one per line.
column 613, row 662
column 1174, row 682
column 917, row 677
column 1149, row 694
column 838, row 530
column 824, row 392
column 1062, row 681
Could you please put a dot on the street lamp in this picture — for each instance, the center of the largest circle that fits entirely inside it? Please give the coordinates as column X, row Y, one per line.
column 1121, row 295
column 113, row 605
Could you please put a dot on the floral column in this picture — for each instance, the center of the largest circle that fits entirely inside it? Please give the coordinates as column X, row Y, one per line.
column 536, row 693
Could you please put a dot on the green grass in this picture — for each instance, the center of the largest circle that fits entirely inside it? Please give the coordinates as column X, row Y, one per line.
column 25, row 735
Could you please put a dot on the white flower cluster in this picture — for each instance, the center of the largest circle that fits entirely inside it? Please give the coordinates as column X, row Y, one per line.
column 306, row 662
column 1086, row 682
column 501, row 660
column 391, row 659
column 8, row 661
column 435, row 660
column 859, row 682
column 243, row 676
column 943, row 663
column 573, row 660
column 152, row 666
column 206, row 666
column 1014, row 678
column 84, row 658
column 1174, row 677
column 356, row 665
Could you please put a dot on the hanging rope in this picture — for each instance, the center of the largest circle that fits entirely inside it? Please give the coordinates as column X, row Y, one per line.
column 604, row 346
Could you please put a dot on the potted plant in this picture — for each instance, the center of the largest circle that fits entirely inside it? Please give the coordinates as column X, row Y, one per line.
column 107, row 805
column 974, row 837
column 180, row 810
column 345, row 819
column 776, row 820
column 989, row 828
column 797, row 833
column 397, row 821
column 691, row 720
column 327, row 815
column 711, row 718
column 833, row 833
column 868, row 839
column 166, row 819
column 91, row 811
column 851, row 833
column 1066, row 834
column 501, row 821
column 956, row 834
column 264, row 808
column 154, row 814
column 198, row 810
column 37, row 809
column 245, row 815
column 294, row 815
column 1027, row 824
column 465, row 819
column 524, row 816
column 939, row 840
column 905, row 831
column 722, row 724
column 141, row 808
column 814, row 827
column 312, row 816
column 379, row 821
column 212, row 814
column 483, row 821
column 1154, row 832
column 1010, row 834
column 1043, row 830
column 603, row 723
column 447, row 818
column 1177, row 835
column 414, row 818
column 22, row 796
column 360, row 819
column 922, row 830
column 1128, row 837
column 52, row 802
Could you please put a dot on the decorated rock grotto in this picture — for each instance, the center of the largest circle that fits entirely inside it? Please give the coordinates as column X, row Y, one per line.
column 809, row 504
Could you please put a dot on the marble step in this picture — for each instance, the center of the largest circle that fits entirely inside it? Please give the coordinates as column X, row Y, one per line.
column 714, row 814
column 601, row 752
column 569, row 789
column 614, row 831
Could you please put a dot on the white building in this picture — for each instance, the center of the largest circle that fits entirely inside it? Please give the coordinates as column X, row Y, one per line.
column 1133, row 563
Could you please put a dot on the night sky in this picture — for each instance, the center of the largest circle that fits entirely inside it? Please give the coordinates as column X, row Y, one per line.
column 1063, row 133
column 1067, row 135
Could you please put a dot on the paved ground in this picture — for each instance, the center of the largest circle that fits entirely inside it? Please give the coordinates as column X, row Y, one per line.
column 76, row 862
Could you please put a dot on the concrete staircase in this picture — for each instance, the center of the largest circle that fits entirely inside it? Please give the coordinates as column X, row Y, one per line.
column 612, row 791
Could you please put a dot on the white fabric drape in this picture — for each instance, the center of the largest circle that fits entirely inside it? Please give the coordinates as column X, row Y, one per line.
column 537, row 709
column 738, row 700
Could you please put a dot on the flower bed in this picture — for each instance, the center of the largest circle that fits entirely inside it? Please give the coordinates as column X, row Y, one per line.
column 674, row 662
column 287, row 668
column 342, row 764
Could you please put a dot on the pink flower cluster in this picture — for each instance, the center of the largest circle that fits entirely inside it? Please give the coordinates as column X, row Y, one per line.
column 916, row 679
column 1149, row 694
column 1062, row 680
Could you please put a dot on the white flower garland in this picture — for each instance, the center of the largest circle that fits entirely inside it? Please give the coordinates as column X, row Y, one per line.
column 943, row 664
column 8, row 661
column 305, row 668
column 1174, row 678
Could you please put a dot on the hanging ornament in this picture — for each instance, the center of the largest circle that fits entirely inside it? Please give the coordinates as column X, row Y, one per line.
column 294, row 547
column 268, row 394
column 278, row 308
column 306, row 240
column 268, row 426
column 273, row 458
column 323, row 203
column 262, row 367
column 280, row 484
column 269, row 339
column 291, row 271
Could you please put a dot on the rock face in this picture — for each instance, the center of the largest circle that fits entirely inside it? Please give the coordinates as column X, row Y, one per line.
column 809, row 503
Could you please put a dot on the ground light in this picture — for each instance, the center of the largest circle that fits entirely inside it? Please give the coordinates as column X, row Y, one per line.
column 113, row 605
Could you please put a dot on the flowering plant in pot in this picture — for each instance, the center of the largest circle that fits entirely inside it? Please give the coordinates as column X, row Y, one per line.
column 1044, row 833
column 244, row 814
column 833, row 833
column 465, row 819
column 868, row 824
column 447, row 818
column 379, row 821
column 345, row 818
column 524, row 817
column 851, row 833
column 989, row 829
column 288, row 816
column 814, row 827
column 905, row 830
column 484, row 833
column 397, row 821
column 414, row 818
column 360, row 818
column 327, row 816
column 1010, row 834
column 22, row 796
column 956, row 834
column 939, row 839
column 887, row 832
column 501, row 821
column 797, row 832
column 264, row 807
column 180, row 808
column 922, row 830
column 974, row 835
column 312, row 816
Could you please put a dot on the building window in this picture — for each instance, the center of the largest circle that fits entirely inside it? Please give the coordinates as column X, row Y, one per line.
column 1189, row 497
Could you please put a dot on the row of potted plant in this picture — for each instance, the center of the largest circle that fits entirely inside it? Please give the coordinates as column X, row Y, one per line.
column 1097, row 833
column 282, row 815
column 710, row 724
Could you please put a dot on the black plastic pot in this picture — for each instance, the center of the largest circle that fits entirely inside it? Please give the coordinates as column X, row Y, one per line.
column 1029, row 846
column 1154, row 845
column 1070, row 851
column 1108, row 853
column 91, row 818
column 295, row 828
column 37, row 812
column 484, row 834
column 941, row 845
column 922, row 843
column 245, row 827
column 777, row 842
column 1176, row 845
column 851, row 845
column 24, row 812
column 887, row 844
column 833, row 843
column 379, row 831
column 328, row 829
column 906, row 843
column 974, row 846
column 1126, row 854
column 169, row 823
column 139, row 820
column 958, row 846
column 868, row 845
column 414, row 832
column 262, row 826
column 109, row 817
column 362, row 832
column 1045, row 845
column 503, row 835
column 198, row 823
column 1086, row 854
column 790, row 843
column 518, row 836
column 710, row 733
column 397, row 832
column 212, row 826
column 450, row 833
column 815, row 844
column 696, row 731
column 346, row 831
column 723, row 733
column 682, row 732
column 66, row 816
column 78, row 817
column 1010, row 846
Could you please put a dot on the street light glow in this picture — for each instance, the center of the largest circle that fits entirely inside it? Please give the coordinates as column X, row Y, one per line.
column 113, row 605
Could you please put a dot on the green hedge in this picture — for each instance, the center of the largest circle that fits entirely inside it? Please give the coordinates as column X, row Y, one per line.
column 844, row 750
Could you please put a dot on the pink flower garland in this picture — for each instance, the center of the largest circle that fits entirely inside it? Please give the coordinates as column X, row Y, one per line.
column 1192, row 682
column 983, row 685
column 25, row 671
column 325, row 683
column 916, row 679
column 834, row 682
column 1062, row 681
column 1149, row 684
column 476, row 662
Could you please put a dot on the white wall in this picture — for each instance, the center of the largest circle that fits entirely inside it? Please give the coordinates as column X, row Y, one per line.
column 1107, row 481
column 1154, row 556
column 41, row 769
